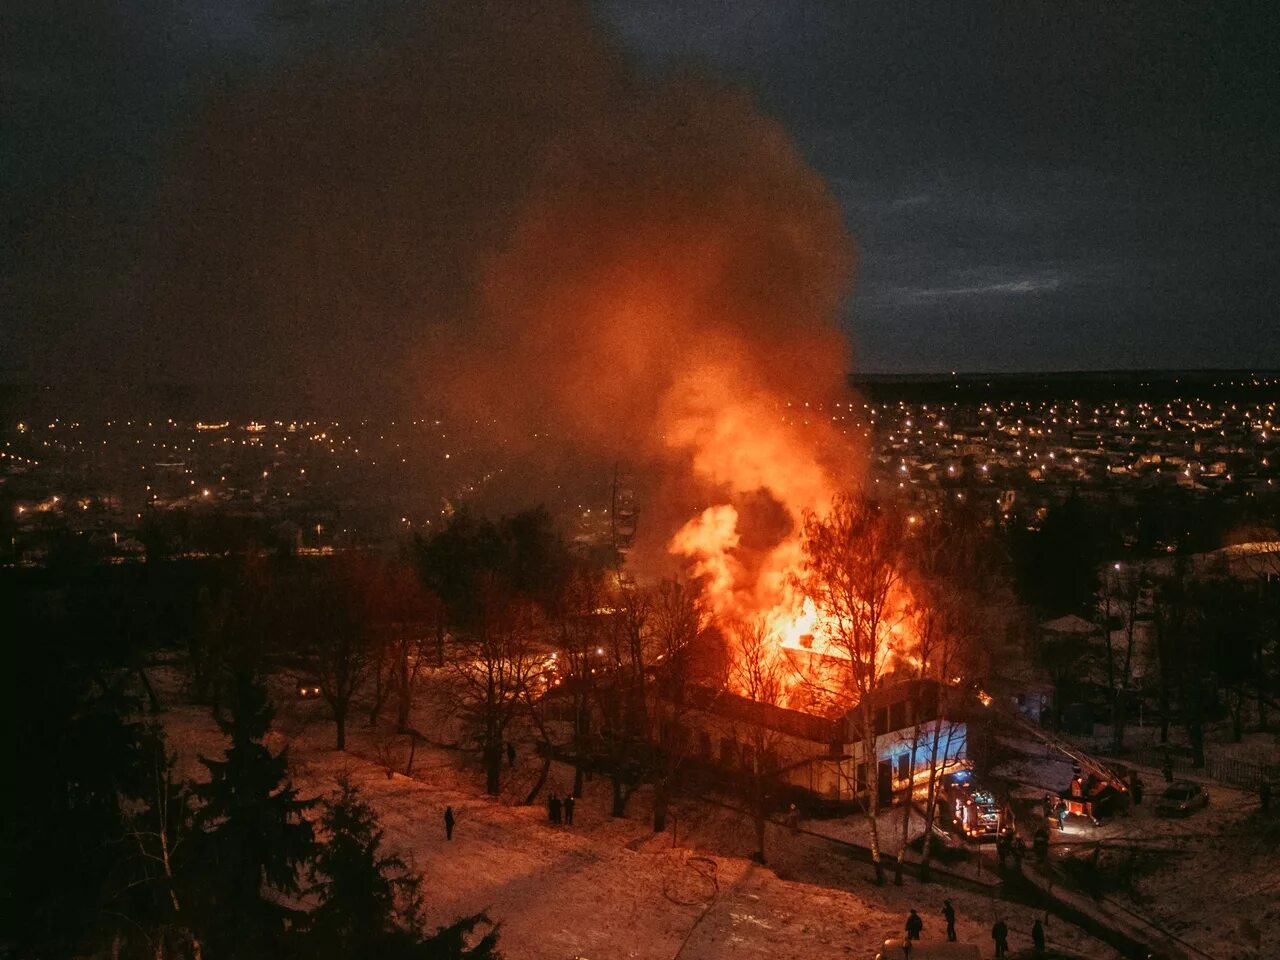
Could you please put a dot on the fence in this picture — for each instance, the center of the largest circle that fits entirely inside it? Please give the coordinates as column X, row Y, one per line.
column 1244, row 774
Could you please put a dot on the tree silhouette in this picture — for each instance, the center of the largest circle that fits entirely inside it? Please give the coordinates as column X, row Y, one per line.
column 255, row 835
column 854, row 564
column 370, row 904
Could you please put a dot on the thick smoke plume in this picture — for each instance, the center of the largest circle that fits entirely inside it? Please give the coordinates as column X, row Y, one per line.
column 499, row 216
column 667, row 298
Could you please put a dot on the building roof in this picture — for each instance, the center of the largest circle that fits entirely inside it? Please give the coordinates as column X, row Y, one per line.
column 793, row 723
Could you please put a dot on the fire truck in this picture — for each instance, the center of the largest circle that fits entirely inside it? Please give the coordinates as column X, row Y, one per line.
column 974, row 810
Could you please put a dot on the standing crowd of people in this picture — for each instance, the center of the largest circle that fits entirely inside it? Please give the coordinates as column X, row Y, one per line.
column 560, row 810
column 999, row 931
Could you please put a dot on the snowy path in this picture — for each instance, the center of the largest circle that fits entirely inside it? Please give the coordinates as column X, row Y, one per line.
column 609, row 889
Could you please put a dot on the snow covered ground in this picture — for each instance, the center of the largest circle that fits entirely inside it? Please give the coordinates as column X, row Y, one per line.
column 609, row 888
column 1210, row 878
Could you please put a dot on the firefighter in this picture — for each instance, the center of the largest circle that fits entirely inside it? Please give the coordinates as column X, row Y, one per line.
column 1002, row 849
column 949, row 914
column 1135, row 787
column 1167, row 767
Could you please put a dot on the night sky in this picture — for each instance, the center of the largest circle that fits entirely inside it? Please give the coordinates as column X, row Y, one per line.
column 1030, row 185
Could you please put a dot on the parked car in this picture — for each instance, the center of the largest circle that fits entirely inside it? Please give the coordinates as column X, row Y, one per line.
column 1182, row 797
column 308, row 689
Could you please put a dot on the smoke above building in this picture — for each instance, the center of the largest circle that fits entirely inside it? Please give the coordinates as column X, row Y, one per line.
column 496, row 215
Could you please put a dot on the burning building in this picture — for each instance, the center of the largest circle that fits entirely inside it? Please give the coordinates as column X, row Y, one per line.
column 583, row 262
column 824, row 759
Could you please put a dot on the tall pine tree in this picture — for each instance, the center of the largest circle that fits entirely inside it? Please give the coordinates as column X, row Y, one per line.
column 370, row 905
column 364, row 896
column 255, row 836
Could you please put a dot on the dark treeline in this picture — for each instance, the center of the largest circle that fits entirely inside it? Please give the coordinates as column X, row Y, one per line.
column 110, row 851
column 1155, row 575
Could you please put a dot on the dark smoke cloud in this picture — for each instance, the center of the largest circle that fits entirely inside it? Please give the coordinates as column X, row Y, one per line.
column 455, row 184
column 497, row 218
column 676, row 228
column 321, row 226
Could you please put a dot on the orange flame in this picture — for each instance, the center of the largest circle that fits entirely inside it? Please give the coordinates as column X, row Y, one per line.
column 741, row 442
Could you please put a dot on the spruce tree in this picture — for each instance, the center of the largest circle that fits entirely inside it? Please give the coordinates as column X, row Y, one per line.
column 370, row 904
column 255, row 836
column 364, row 896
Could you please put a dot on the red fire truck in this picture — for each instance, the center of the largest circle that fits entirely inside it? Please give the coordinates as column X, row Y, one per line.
column 974, row 811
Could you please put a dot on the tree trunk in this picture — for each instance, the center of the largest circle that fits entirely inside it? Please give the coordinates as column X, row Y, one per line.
column 871, row 759
column 404, row 703
column 492, row 768
column 906, row 832
column 1164, row 708
column 620, row 797
column 581, row 730
column 379, row 690
column 660, row 803
column 1195, row 723
column 340, row 720
column 1118, row 720
column 542, row 781
column 876, row 862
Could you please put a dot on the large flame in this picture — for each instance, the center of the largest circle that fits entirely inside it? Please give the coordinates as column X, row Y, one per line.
column 602, row 266
column 668, row 297
column 743, row 443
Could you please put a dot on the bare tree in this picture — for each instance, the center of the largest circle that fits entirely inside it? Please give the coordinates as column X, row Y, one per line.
column 236, row 621
column 1124, row 592
column 756, row 673
column 584, row 626
column 490, row 669
column 677, row 647
column 407, row 621
column 1263, row 564
column 158, row 829
column 952, row 566
column 331, row 619
column 1182, row 666
column 853, row 573
column 622, row 695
